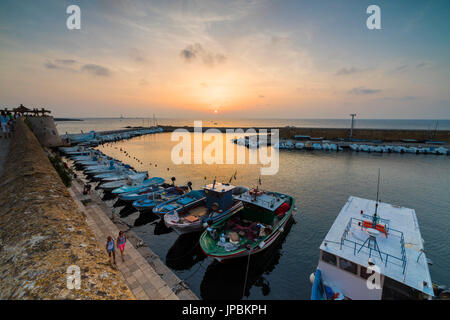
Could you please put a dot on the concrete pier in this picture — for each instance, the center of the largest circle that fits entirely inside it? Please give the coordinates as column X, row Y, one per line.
column 143, row 271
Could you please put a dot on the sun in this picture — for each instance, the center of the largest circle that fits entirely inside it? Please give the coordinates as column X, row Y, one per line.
column 216, row 111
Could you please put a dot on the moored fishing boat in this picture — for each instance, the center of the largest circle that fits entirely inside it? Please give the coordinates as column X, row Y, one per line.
column 149, row 192
column 138, row 183
column 152, row 199
column 190, row 212
column 252, row 229
column 372, row 251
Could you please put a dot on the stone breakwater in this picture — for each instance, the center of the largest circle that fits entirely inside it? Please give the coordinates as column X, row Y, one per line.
column 335, row 133
column 42, row 232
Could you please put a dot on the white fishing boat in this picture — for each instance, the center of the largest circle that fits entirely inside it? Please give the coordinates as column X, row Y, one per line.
column 372, row 251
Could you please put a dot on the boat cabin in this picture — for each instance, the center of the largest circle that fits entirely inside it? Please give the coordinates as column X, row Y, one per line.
column 373, row 251
column 219, row 196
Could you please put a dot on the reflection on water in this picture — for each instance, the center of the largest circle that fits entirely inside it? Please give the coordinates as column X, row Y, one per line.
column 115, row 124
column 321, row 183
column 145, row 218
column 160, row 228
column 185, row 252
column 226, row 280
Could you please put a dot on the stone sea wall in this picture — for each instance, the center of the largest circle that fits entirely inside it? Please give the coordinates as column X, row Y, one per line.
column 42, row 232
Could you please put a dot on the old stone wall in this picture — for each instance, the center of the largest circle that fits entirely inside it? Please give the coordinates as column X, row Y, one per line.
column 44, row 129
column 42, row 232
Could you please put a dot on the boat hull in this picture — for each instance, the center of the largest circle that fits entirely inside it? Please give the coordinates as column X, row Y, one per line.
column 255, row 250
column 198, row 225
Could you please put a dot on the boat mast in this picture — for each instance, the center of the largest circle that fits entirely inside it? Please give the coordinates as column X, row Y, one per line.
column 374, row 221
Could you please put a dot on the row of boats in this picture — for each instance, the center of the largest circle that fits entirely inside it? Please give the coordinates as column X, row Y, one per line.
column 372, row 251
column 363, row 148
column 93, row 138
column 358, row 147
column 236, row 221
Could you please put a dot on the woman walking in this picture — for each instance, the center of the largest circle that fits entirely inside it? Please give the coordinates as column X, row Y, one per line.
column 110, row 248
column 121, row 240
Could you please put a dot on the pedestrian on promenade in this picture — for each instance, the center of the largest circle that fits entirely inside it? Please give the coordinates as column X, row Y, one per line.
column 111, row 249
column 121, row 240
column 4, row 120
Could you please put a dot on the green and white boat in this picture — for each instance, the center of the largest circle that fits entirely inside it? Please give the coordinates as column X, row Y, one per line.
column 250, row 230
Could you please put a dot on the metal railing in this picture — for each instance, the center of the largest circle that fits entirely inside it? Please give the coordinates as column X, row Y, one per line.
column 358, row 246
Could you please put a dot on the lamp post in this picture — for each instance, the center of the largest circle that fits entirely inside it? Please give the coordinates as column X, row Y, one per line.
column 353, row 115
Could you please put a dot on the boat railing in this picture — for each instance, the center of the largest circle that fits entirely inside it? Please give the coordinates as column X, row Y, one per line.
column 384, row 221
column 250, row 198
column 358, row 246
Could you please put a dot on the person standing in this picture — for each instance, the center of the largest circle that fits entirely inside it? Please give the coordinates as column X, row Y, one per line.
column 4, row 123
column 10, row 124
column 121, row 240
column 111, row 249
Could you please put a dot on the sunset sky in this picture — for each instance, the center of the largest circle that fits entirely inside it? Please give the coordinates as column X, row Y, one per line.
column 227, row 58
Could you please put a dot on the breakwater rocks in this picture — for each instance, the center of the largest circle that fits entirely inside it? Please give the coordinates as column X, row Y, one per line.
column 338, row 133
column 42, row 233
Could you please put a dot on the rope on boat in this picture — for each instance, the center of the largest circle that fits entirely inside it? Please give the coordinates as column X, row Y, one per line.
column 246, row 272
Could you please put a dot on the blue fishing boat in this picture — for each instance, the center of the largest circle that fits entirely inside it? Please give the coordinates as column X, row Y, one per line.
column 134, row 184
column 195, row 210
column 147, row 192
column 152, row 199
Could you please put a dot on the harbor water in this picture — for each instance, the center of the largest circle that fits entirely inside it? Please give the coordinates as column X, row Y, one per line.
column 321, row 183
column 104, row 124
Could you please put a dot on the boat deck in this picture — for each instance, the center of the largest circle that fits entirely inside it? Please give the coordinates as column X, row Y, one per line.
column 400, row 255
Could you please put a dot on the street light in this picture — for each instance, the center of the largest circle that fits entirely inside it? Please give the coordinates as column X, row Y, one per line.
column 353, row 115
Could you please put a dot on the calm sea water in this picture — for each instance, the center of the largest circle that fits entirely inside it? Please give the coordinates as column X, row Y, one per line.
column 102, row 124
column 321, row 183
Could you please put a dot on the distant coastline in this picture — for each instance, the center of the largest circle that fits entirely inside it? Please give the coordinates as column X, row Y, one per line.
column 67, row 119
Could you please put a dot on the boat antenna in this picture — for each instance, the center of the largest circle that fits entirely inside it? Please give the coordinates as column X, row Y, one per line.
column 375, row 218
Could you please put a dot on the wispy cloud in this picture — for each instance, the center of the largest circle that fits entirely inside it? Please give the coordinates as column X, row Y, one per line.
column 137, row 55
column 401, row 68
column 423, row 64
column 194, row 52
column 363, row 91
column 348, row 71
column 143, row 82
column 96, row 70
column 66, row 61
column 60, row 64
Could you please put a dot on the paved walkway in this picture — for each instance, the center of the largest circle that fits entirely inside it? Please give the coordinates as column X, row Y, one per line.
column 4, row 146
column 142, row 279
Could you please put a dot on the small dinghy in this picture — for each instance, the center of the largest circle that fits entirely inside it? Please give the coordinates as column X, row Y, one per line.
column 250, row 230
column 195, row 210
column 138, row 183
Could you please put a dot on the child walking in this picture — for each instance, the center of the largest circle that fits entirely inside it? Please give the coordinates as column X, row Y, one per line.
column 121, row 240
column 110, row 248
